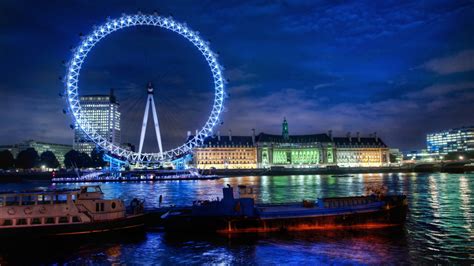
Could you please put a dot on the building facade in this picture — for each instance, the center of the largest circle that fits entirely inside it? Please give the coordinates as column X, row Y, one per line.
column 13, row 149
column 102, row 111
column 292, row 151
column 451, row 140
column 59, row 150
column 361, row 151
column 226, row 152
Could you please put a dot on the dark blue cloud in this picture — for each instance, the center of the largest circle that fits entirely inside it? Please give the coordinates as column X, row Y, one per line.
column 402, row 68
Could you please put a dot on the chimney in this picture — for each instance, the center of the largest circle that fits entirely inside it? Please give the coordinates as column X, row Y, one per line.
column 375, row 136
column 349, row 136
column 218, row 136
column 358, row 137
column 230, row 135
column 253, row 136
column 330, row 134
column 189, row 133
column 196, row 132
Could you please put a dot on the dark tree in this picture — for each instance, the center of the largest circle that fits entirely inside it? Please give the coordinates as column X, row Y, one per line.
column 85, row 160
column 97, row 157
column 71, row 159
column 466, row 155
column 49, row 160
column 27, row 159
column 6, row 160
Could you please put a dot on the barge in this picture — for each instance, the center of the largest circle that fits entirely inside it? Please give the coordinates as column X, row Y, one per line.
column 242, row 215
column 56, row 213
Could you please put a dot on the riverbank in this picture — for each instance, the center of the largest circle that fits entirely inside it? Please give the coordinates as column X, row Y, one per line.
column 345, row 170
column 9, row 177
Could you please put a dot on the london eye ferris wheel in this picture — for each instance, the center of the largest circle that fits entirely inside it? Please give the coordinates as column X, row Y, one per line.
column 73, row 96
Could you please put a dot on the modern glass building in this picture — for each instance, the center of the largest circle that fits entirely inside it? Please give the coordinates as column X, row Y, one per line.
column 59, row 150
column 451, row 140
column 102, row 111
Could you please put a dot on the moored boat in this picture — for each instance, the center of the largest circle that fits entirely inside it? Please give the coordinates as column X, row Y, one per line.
column 240, row 215
column 82, row 211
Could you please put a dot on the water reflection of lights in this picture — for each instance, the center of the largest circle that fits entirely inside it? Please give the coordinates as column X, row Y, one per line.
column 440, row 222
column 265, row 189
column 434, row 198
column 113, row 253
column 465, row 194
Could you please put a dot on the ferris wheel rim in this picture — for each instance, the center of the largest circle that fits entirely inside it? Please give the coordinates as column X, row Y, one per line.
column 89, row 41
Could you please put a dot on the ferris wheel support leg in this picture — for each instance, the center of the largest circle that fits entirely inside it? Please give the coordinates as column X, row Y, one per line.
column 145, row 120
column 157, row 127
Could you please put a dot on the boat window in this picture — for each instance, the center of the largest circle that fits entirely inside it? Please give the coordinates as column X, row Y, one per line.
column 49, row 220
column 27, row 200
column 75, row 219
column 61, row 198
column 44, row 199
column 11, row 200
column 7, row 222
column 36, row 221
column 102, row 206
column 97, row 207
column 73, row 197
column 63, row 220
column 21, row 221
column 113, row 205
column 91, row 189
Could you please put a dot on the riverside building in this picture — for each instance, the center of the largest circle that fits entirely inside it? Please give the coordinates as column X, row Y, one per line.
column 226, row 152
column 361, row 151
column 59, row 150
column 451, row 140
column 292, row 151
column 102, row 111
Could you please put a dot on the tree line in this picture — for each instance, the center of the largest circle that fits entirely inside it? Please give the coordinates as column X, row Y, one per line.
column 29, row 158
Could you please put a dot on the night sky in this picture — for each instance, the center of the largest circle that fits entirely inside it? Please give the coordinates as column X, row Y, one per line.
column 399, row 68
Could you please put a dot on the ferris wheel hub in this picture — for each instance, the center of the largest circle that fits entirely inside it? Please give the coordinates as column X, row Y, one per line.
column 150, row 88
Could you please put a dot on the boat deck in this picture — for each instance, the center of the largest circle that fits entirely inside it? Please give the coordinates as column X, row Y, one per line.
column 299, row 210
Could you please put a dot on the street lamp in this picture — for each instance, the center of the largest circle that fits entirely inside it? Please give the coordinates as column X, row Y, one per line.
column 461, row 157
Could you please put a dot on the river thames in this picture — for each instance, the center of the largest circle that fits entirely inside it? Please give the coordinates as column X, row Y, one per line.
column 439, row 227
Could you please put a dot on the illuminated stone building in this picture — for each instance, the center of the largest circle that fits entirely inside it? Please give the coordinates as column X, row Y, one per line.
column 102, row 111
column 226, row 152
column 291, row 151
column 361, row 151
column 294, row 151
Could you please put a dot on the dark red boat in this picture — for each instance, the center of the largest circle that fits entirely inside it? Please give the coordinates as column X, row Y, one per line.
column 239, row 215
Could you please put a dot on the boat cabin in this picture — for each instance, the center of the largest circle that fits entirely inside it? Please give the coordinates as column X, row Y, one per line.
column 38, row 208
